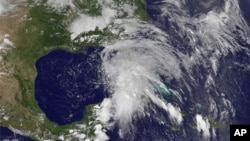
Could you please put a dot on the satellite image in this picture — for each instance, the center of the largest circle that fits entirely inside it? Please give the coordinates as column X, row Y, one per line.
column 123, row 70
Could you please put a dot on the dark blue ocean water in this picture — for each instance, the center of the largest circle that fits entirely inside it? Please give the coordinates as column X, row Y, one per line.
column 232, row 80
column 244, row 6
column 67, row 82
column 7, row 134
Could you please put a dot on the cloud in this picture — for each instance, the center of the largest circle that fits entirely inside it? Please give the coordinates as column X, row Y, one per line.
column 202, row 125
column 59, row 4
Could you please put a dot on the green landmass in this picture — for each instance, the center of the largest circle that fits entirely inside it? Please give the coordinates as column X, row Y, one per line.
column 90, row 7
column 214, row 124
column 141, row 10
